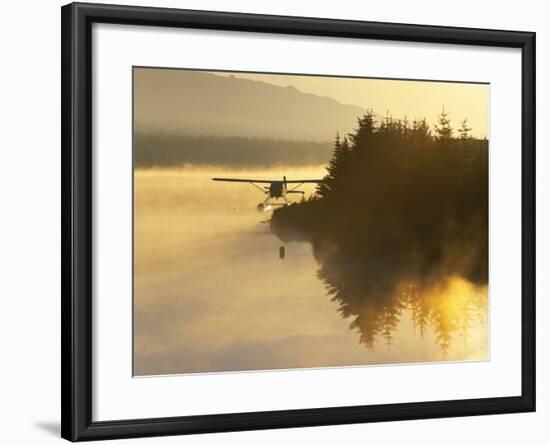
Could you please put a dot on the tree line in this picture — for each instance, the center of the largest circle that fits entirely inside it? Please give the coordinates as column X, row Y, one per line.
column 171, row 150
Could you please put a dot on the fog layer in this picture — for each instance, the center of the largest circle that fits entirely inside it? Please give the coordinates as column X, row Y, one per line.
column 212, row 294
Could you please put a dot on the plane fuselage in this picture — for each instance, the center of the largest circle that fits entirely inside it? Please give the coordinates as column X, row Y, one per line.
column 277, row 189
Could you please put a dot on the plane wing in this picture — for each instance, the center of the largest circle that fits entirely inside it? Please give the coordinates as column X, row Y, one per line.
column 304, row 181
column 242, row 180
column 294, row 181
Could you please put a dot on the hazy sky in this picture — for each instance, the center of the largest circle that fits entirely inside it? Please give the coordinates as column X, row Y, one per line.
column 399, row 97
column 173, row 101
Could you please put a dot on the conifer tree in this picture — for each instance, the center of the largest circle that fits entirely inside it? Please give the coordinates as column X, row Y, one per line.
column 336, row 169
column 468, row 151
column 420, row 133
column 366, row 126
column 464, row 130
column 443, row 129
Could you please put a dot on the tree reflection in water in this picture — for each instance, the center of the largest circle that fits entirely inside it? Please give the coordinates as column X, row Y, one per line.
column 449, row 306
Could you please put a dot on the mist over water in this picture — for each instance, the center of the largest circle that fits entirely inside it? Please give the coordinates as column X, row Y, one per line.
column 212, row 294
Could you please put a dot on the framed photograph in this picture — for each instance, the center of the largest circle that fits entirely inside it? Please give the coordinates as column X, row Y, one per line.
column 273, row 222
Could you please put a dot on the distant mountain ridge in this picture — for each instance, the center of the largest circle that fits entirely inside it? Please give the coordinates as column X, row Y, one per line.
column 172, row 101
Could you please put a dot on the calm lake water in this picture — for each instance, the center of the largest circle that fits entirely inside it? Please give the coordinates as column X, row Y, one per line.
column 212, row 294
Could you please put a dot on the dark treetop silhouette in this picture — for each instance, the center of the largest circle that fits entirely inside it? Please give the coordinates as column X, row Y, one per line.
column 401, row 213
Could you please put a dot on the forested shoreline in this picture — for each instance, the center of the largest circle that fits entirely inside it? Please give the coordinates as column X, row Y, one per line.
column 401, row 205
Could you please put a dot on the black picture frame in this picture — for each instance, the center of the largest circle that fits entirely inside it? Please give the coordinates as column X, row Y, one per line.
column 76, row 246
